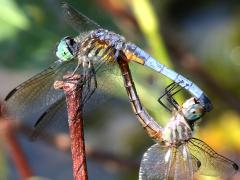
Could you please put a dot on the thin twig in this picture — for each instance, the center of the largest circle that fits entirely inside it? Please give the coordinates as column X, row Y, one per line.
column 73, row 90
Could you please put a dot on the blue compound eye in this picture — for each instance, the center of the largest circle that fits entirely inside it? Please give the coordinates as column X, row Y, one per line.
column 194, row 112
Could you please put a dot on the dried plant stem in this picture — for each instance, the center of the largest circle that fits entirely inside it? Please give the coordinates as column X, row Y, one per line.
column 73, row 91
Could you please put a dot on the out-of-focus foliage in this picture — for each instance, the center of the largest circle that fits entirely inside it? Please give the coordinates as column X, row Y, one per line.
column 146, row 17
column 222, row 133
column 12, row 20
column 209, row 31
column 143, row 10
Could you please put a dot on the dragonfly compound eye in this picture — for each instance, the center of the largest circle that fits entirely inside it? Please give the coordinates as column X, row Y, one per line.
column 194, row 112
column 66, row 49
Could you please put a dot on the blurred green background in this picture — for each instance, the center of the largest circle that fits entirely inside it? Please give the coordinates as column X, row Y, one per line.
column 200, row 40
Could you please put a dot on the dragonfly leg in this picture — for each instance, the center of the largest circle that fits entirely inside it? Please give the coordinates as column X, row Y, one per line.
column 167, row 90
column 170, row 98
column 90, row 73
column 169, row 94
column 91, row 84
column 90, row 79
column 116, row 54
column 79, row 63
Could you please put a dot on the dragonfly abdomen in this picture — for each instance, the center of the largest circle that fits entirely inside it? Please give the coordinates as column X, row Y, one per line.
column 106, row 46
column 136, row 54
column 147, row 122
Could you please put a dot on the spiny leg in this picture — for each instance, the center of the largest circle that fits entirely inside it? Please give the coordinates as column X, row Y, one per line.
column 89, row 71
column 170, row 98
column 167, row 90
column 89, row 77
column 169, row 93
column 90, row 74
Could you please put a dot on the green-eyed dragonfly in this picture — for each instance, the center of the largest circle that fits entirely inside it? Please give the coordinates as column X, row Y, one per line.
column 176, row 154
column 92, row 52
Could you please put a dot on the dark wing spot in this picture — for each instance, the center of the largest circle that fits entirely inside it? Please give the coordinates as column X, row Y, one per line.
column 198, row 164
column 235, row 166
column 40, row 118
column 10, row 94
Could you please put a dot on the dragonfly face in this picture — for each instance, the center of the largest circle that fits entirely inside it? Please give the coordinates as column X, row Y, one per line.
column 192, row 111
column 66, row 49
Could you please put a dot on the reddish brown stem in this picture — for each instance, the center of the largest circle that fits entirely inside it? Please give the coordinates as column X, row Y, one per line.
column 73, row 91
column 18, row 156
column 7, row 129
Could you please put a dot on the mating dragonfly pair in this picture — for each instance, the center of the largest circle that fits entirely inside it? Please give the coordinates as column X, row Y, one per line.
column 176, row 155
column 94, row 52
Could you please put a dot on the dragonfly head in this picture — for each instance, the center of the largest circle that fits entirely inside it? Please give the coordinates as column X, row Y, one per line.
column 205, row 101
column 66, row 49
column 192, row 111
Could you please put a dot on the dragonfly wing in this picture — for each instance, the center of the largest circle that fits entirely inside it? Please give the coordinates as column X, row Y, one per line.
column 212, row 164
column 107, row 74
column 183, row 165
column 96, row 87
column 51, row 121
column 161, row 162
column 77, row 20
column 55, row 118
column 152, row 164
column 31, row 98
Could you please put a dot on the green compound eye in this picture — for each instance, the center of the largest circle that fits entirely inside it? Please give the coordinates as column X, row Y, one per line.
column 65, row 49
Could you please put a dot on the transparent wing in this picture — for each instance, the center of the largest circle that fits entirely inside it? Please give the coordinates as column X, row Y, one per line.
column 161, row 162
column 28, row 100
column 152, row 164
column 77, row 20
column 212, row 164
column 54, row 119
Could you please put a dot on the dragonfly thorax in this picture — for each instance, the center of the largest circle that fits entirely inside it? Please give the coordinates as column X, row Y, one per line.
column 100, row 45
column 177, row 131
column 112, row 39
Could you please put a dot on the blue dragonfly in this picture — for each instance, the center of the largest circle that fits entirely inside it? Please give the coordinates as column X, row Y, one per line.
column 92, row 53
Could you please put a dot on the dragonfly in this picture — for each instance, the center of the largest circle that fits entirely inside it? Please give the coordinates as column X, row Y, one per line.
column 92, row 53
column 177, row 155
column 108, row 39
